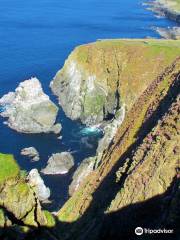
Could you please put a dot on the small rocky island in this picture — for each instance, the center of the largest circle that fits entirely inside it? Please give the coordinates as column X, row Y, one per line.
column 29, row 109
column 59, row 163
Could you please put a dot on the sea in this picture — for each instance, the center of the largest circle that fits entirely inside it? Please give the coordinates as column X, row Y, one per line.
column 36, row 37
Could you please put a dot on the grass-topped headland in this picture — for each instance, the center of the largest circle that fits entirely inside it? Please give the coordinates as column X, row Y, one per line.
column 98, row 78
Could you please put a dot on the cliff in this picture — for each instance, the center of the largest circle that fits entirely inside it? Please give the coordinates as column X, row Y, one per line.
column 20, row 209
column 136, row 183
column 169, row 8
column 99, row 78
column 136, row 180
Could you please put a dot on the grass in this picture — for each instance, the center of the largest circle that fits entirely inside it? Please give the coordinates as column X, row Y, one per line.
column 8, row 167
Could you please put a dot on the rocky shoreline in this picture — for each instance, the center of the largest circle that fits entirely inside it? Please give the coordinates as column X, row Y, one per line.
column 170, row 9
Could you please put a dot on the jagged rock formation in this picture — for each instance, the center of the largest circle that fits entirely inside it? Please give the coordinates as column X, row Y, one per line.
column 168, row 8
column 29, row 109
column 88, row 165
column 169, row 33
column 98, row 78
column 59, row 163
column 20, row 209
column 31, row 152
column 35, row 181
column 136, row 182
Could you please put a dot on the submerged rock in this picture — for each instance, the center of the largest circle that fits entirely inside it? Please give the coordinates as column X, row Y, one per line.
column 30, row 152
column 29, row 109
column 59, row 163
column 37, row 183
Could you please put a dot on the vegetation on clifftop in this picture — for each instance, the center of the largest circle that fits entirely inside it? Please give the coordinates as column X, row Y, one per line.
column 99, row 77
column 8, row 168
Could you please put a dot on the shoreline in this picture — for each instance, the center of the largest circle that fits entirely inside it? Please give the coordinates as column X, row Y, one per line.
column 165, row 9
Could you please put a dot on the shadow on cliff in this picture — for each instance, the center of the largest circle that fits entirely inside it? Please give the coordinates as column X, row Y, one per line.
column 156, row 213
column 95, row 224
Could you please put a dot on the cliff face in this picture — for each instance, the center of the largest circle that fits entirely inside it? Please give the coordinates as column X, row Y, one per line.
column 98, row 78
column 136, row 183
column 169, row 8
column 20, row 209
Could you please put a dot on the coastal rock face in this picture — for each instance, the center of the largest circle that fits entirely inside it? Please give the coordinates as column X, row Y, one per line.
column 19, row 204
column 169, row 33
column 98, row 78
column 30, row 152
column 117, row 66
column 37, row 183
column 59, row 163
column 168, row 8
column 88, row 165
column 84, row 169
column 136, row 180
column 29, row 109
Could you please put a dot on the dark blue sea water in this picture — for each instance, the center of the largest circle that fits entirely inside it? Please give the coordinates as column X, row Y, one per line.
column 35, row 39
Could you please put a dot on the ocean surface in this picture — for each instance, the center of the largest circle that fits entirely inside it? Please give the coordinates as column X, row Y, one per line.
column 35, row 39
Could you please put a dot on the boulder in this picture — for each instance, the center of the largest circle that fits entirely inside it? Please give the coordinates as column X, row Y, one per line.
column 30, row 152
column 37, row 183
column 59, row 163
column 29, row 109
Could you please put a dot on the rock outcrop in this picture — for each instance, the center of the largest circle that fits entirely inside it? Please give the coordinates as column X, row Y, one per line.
column 90, row 164
column 59, row 163
column 169, row 33
column 31, row 152
column 35, row 181
column 168, row 8
column 99, row 78
column 20, row 209
column 29, row 109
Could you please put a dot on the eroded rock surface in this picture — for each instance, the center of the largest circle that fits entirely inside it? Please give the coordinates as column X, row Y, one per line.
column 29, row 109
column 137, row 180
column 37, row 183
column 98, row 78
column 19, row 204
column 169, row 33
column 168, row 8
column 59, row 163
column 31, row 152
column 90, row 164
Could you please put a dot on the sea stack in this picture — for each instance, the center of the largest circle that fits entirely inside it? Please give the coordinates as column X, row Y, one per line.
column 29, row 109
